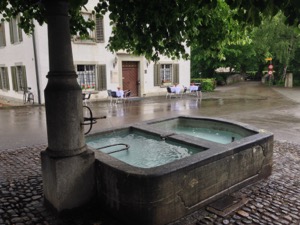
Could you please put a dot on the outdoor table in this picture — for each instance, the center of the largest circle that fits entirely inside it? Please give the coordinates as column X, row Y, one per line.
column 120, row 93
column 193, row 88
column 175, row 90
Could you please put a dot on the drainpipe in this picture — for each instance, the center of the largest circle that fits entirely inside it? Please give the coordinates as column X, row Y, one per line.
column 36, row 68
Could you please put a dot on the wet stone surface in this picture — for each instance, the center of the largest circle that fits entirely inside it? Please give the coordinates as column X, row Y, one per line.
column 272, row 201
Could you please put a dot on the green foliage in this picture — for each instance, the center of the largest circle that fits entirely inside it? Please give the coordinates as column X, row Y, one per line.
column 31, row 10
column 253, row 75
column 207, row 84
column 276, row 39
column 251, row 10
column 141, row 27
column 157, row 27
column 232, row 49
column 279, row 83
column 28, row 10
column 273, row 38
column 296, row 78
column 220, row 80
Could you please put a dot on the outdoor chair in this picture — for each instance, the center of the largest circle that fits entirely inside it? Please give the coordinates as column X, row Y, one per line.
column 85, row 97
column 183, row 92
column 113, row 95
column 170, row 93
column 127, row 95
column 199, row 91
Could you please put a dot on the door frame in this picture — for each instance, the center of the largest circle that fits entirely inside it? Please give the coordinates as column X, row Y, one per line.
column 140, row 60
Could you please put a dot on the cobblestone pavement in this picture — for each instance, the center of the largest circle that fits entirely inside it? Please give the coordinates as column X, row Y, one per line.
column 275, row 200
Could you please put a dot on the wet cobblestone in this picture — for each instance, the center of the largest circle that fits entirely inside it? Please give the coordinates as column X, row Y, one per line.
column 275, row 200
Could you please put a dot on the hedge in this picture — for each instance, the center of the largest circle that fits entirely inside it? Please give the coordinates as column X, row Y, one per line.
column 207, row 84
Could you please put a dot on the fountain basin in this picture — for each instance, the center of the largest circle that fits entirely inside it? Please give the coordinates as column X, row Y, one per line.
column 164, row 193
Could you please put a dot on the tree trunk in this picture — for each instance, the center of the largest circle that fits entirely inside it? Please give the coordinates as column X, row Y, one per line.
column 284, row 72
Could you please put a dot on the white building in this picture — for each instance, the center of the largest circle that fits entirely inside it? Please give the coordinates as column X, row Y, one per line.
column 24, row 62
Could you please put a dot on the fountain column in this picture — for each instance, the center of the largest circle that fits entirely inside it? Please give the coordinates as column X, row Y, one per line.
column 67, row 164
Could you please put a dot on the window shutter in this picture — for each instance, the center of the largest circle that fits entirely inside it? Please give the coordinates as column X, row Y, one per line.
column 101, row 77
column 176, row 73
column 19, row 31
column 24, row 78
column 4, row 38
column 1, row 78
column 157, row 79
column 14, row 78
column 11, row 31
column 2, row 35
column 6, row 77
column 99, row 29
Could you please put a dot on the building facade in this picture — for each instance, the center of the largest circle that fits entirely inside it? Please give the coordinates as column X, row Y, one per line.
column 24, row 62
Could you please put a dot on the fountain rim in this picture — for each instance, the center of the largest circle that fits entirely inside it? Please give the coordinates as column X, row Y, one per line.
column 214, row 151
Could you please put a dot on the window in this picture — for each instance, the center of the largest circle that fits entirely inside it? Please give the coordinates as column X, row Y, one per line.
column 96, row 35
column 4, row 82
column 86, row 76
column 99, row 30
column 2, row 35
column 15, row 30
column 19, row 78
column 92, row 77
column 165, row 74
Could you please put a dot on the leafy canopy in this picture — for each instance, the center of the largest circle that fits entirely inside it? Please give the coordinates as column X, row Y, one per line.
column 152, row 27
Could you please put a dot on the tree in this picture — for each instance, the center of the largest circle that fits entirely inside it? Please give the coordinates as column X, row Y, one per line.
column 143, row 28
column 139, row 27
column 230, row 47
column 275, row 38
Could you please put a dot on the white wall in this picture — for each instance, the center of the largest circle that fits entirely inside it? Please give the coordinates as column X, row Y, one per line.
column 95, row 53
column 18, row 54
column 41, row 41
column 184, row 76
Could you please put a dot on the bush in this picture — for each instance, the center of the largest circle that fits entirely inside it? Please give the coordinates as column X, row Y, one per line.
column 296, row 83
column 296, row 78
column 221, row 80
column 207, row 84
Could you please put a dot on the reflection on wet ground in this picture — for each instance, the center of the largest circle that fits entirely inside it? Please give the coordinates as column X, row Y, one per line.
column 249, row 102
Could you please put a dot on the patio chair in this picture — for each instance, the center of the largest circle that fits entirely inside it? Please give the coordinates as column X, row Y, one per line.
column 85, row 97
column 170, row 93
column 127, row 94
column 183, row 92
column 199, row 91
column 113, row 95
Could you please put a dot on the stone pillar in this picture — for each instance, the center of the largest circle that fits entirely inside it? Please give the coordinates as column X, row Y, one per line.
column 67, row 165
column 288, row 80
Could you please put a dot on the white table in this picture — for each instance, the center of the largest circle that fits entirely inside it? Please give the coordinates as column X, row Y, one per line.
column 120, row 93
column 193, row 88
column 175, row 89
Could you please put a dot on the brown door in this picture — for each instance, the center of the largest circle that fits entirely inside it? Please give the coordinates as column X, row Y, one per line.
column 130, row 77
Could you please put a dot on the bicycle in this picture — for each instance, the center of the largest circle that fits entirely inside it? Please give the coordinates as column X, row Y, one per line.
column 28, row 96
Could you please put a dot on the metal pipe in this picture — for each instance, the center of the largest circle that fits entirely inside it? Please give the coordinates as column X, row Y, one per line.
column 36, row 67
column 119, row 150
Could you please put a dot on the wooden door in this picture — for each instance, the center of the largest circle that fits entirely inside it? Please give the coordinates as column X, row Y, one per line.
column 130, row 77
